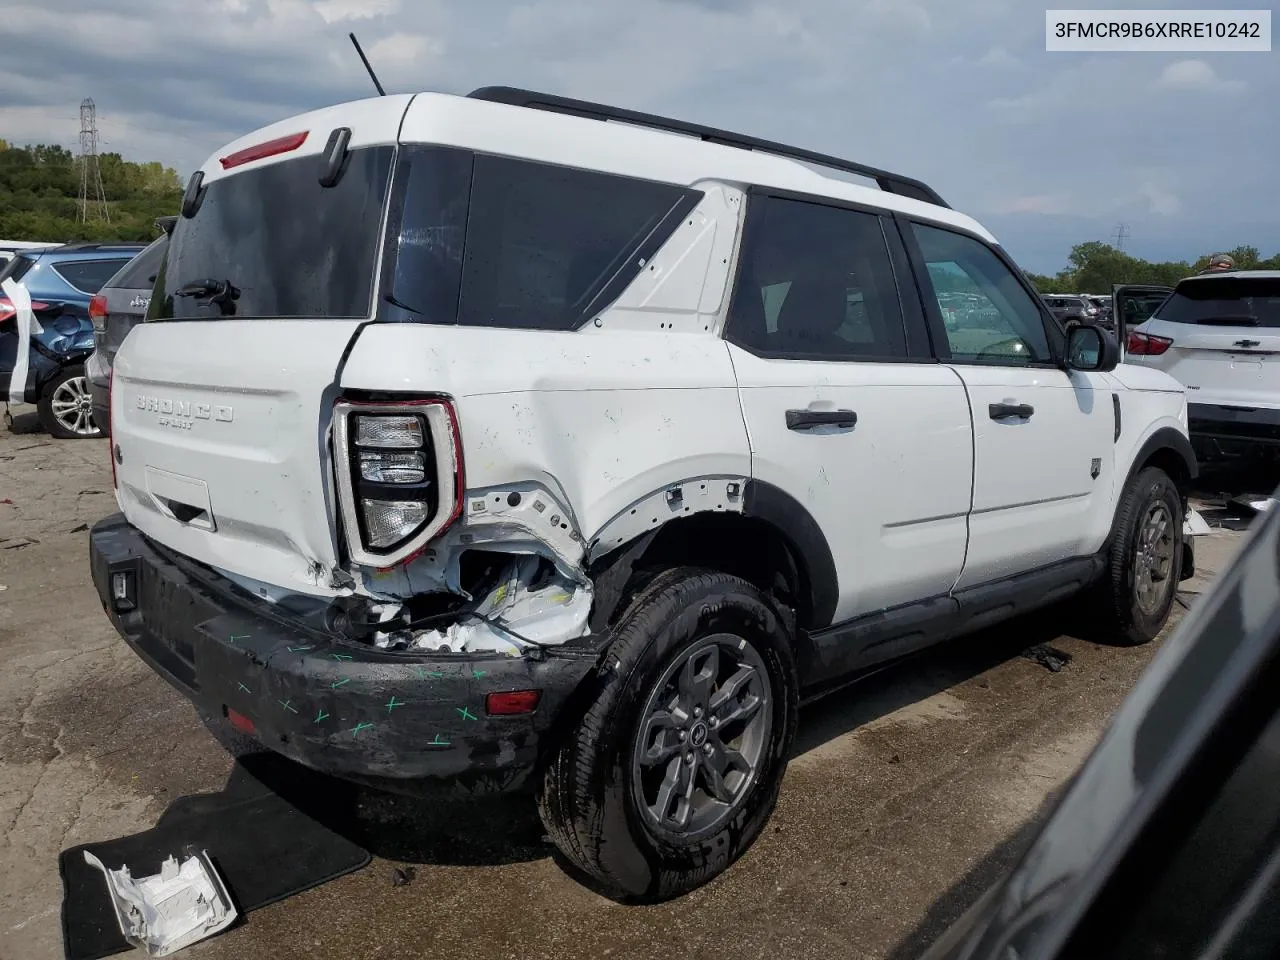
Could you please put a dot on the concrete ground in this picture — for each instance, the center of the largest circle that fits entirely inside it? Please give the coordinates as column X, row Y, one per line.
column 908, row 793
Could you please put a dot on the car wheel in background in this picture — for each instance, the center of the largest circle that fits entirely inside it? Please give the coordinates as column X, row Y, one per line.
column 66, row 407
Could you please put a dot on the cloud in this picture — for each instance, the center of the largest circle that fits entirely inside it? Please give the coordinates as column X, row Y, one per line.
column 1195, row 75
column 961, row 95
column 1038, row 204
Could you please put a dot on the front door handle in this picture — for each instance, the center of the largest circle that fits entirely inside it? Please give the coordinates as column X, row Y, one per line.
column 808, row 419
column 1002, row 411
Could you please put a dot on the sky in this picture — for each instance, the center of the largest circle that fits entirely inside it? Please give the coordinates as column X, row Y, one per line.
column 1046, row 149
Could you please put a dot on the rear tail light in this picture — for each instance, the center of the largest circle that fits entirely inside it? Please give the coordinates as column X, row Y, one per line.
column 98, row 313
column 7, row 310
column 1146, row 344
column 399, row 476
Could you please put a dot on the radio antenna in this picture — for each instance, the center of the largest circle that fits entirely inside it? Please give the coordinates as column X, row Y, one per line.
column 365, row 60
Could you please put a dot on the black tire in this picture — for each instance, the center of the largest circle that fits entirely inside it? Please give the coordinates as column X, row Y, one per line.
column 1119, row 611
column 69, row 383
column 588, row 794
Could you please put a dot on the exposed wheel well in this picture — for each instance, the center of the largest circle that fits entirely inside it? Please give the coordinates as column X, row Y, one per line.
column 1171, row 462
column 746, row 547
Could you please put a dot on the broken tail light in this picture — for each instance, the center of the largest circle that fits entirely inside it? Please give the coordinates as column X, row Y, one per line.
column 1146, row 344
column 399, row 476
column 7, row 311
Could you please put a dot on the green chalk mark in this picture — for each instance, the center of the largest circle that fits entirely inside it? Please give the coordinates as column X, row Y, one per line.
column 393, row 703
column 437, row 742
column 339, row 656
column 287, row 704
column 360, row 726
column 243, row 636
column 320, row 715
column 338, row 683
column 244, row 688
column 477, row 673
column 423, row 674
column 466, row 714
column 299, row 649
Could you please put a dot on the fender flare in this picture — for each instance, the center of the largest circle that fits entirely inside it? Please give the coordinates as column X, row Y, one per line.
column 1165, row 438
column 812, row 553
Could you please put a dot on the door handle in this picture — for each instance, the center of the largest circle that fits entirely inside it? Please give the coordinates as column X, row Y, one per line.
column 1002, row 411
column 807, row 419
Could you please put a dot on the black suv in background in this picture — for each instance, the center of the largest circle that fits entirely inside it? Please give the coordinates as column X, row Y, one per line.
column 121, row 303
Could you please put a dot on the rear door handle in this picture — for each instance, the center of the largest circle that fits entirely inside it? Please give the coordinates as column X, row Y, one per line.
column 808, row 419
column 1002, row 411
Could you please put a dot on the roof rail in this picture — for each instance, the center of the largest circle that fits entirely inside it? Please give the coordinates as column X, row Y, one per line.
column 889, row 182
column 99, row 245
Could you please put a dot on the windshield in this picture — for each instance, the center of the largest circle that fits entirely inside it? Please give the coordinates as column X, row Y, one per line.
column 273, row 242
column 1225, row 301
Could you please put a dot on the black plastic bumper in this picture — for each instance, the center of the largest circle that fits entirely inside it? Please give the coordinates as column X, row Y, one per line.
column 337, row 706
column 1233, row 430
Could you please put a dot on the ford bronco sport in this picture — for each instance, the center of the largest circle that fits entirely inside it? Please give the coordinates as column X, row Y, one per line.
column 511, row 440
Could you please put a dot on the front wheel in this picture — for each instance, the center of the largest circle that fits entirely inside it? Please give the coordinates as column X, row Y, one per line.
column 66, row 406
column 675, row 767
column 1144, row 560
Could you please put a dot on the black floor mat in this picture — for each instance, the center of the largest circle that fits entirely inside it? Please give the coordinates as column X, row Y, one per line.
column 265, row 848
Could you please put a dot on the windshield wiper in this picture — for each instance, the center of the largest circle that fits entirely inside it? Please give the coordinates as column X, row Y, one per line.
column 220, row 292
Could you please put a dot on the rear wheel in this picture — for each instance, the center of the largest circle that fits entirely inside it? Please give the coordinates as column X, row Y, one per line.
column 66, row 406
column 675, row 767
column 1144, row 560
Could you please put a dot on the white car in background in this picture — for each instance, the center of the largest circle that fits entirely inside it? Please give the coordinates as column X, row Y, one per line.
column 1219, row 335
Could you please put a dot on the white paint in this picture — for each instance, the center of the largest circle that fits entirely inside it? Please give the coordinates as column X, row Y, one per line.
column 1034, row 499
column 891, row 494
column 21, row 300
column 1213, row 368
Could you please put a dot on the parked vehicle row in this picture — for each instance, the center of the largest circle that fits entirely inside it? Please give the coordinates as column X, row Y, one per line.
column 685, row 432
column 46, row 334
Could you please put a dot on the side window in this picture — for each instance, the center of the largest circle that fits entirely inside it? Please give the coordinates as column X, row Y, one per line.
column 815, row 282
column 1000, row 322
column 88, row 276
column 548, row 245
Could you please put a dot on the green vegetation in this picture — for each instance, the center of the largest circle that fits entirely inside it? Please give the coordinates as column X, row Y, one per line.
column 40, row 187
column 1095, row 267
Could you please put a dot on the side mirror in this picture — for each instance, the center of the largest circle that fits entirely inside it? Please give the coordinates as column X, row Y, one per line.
column 1091, row 348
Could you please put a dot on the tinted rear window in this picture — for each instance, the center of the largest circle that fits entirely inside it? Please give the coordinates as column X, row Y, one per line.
column 89, row 276
column 289, row 246
column 493, row 241
column 141, row 271
column 1228, row 301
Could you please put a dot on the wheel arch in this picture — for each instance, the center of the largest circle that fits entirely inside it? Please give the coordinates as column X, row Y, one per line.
column 1171, row 451
column 773, row 542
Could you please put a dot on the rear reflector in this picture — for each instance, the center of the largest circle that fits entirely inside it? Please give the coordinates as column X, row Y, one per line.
column 259, row 151
column 512, row 703
column 241, row 722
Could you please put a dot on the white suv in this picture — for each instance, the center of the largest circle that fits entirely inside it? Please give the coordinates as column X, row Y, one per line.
column 1219, row 335
column 509, row 439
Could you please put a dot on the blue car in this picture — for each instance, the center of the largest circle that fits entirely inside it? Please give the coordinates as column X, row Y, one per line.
column 60, row 282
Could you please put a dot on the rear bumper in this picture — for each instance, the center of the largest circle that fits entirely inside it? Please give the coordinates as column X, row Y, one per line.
column 337, row 706
column 1232, row 430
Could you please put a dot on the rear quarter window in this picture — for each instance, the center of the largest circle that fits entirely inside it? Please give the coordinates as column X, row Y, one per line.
column 140, row 272
column 500, row 242
column 1225, row 301
column 89, row 276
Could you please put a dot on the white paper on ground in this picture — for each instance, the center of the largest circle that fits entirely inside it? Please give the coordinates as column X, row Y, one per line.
column 182, row 904
column 1195, row 525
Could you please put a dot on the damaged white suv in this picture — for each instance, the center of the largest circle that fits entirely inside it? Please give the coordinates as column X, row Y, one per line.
column 492, row 440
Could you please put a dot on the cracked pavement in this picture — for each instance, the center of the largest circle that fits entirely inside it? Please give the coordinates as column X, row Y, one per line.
column 907, row 794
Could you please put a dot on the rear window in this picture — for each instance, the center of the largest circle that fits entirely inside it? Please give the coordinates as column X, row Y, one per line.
column 1225, row 301
column 494, row 241
column 141, row 271
column 287, row 246
column 89, row 276
column 16, row 268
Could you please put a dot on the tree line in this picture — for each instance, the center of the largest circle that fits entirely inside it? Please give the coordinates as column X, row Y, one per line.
column 1095, row 267
column 40, row 190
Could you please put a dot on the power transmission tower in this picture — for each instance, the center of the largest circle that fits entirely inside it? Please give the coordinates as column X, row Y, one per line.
column 91, row 192
column 1121, row 234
